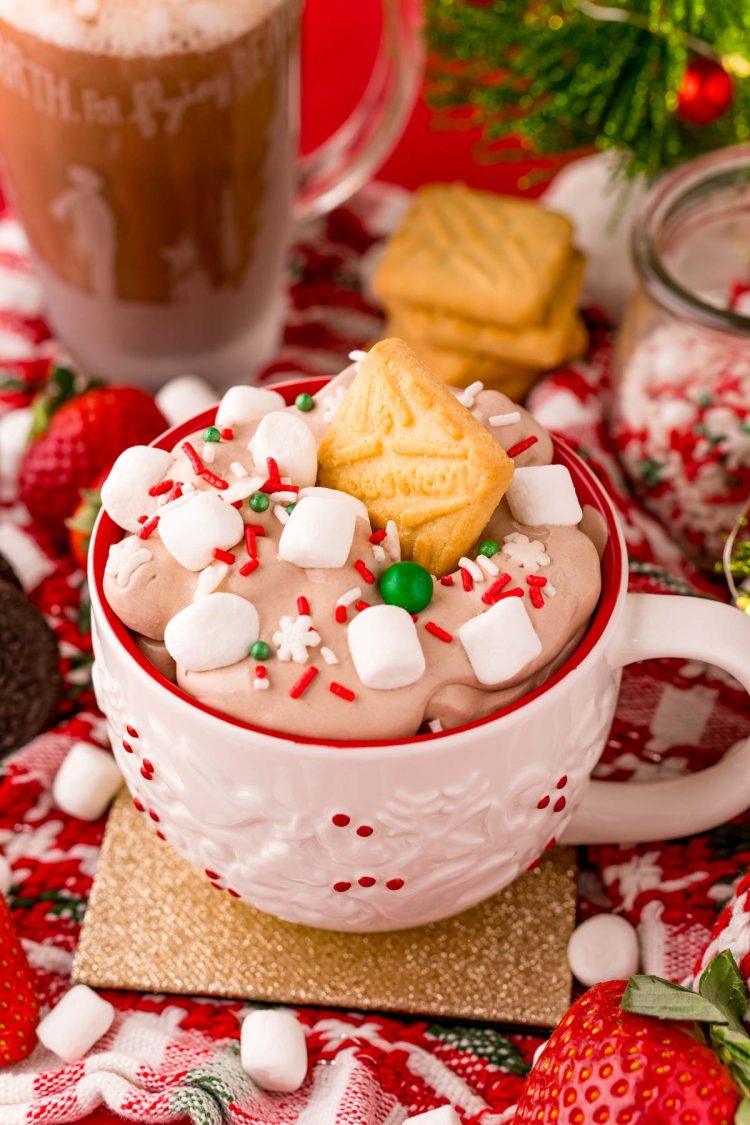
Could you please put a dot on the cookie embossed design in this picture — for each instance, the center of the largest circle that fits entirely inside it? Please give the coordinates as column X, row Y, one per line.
column 403, row 444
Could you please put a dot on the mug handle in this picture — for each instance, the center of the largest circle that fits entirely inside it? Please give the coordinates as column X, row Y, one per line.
column 338, row 167
column 656, row 625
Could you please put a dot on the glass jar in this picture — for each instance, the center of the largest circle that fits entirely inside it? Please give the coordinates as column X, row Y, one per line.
column 681, row 404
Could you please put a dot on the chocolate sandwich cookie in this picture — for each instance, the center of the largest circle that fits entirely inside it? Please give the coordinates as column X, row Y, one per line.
column 29, row 671
column 8, row 574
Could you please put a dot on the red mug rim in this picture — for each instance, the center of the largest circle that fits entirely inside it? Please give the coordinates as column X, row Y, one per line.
column 589, row 490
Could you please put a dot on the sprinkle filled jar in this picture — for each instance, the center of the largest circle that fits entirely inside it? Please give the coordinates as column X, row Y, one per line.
column 681, row 406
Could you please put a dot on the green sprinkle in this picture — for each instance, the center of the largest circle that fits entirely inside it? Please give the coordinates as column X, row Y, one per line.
column 290, row 508
column 488, row 547
column 211, row 434
column 304, row 402
column 259, row 502
column 260, row 651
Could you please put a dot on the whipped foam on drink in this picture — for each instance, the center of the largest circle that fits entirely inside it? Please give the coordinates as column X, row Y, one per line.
column 137, row 27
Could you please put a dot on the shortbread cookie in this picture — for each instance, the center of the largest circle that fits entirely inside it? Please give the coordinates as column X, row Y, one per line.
column 404, row 446
column 542, row 346
column 483, row 256
column 460, row 368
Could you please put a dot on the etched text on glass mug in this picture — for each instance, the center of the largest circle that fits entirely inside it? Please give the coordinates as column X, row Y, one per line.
column 150, row 150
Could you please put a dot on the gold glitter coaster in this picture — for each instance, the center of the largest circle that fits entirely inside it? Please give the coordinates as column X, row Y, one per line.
column 154, row 925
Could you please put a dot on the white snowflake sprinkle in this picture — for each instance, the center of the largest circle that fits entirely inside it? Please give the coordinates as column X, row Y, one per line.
column 124, row 559
column 293, row 638
column 528, row 554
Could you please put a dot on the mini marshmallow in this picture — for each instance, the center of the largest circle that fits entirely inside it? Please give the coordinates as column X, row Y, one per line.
column 319, row 533
column 184, row 397
column 544, row 494
column 290, row 442
column 76, row 1023
column 500, row 642
column 24, row 554
column 191, row 532
column 385, row 647
column 242, row 403
column 273, row 1050
column 6, row 876
column 15, row 427
column 443, row 1115
column 335, row 494
column 604, row 947
column 213, row 632
column 86, row 781
column 125, row 491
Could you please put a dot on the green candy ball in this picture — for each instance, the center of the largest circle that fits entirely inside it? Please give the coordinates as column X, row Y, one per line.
column 488, row 547
column 304, row 402
column 211, row 434
column 407, row 584
column 260, row 651
column 259, row 502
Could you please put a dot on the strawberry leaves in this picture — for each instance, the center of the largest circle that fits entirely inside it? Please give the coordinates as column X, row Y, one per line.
column 652, row 996
column 723, row 986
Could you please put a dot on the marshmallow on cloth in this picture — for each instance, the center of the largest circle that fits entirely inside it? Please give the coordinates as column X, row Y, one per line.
column 385, row 647
column 544, row 494
column 125, row 491
column 443, row 1115
column 214, row 632
column 319, row 533
column 335, row 494
column 86, row 781
column 76, row 1023
column 242, row 403
column 24, row 554
column 290, row 442
column 184, row 397
column 191, row 531
column 273, row 1050
column 604, row 947
column 6, row 876
column 500, row 642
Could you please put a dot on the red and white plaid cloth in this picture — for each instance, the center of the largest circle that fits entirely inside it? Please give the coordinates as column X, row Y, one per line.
column 176, row 1058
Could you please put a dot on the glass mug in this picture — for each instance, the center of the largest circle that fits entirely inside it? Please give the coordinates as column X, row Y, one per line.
column 150, row 149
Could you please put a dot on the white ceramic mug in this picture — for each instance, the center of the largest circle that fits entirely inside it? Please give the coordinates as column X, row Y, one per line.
column 373, row 836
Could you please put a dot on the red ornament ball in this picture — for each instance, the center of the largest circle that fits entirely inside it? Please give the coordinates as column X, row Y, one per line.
column 705, row 93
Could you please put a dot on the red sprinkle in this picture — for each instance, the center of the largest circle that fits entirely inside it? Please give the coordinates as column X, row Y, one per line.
column 260, row 672
column 522, row 446
column 436, row 631
column 176, row 492
column 237, row 504
column 250, row 544
column 362, row 570
column 195, row 462
column 516, row 592
column 214, row 481
column 341, row 691
column 446, row 580
column 303, row 607
column 149, row 527
column 227, row 433
column 360, row 605
column 468, row 581
column 249, row 567
column 492, row 594
column 537, row 598
column 160, row 489
column 303, row 682
column 378, row 536
column 341, row 614
column 536, row 580
column 223, row 556
column 273, row 484
column 142, row 519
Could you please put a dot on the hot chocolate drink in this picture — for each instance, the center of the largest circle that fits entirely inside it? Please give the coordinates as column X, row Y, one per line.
column 149, row 148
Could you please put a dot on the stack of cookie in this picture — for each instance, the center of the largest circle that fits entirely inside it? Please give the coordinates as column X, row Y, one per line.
column 483, row 287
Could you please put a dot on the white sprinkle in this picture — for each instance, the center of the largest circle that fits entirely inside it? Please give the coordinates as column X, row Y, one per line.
column 466, row 398
column 435, row 726
column 239, row 470
column 209, row 452
column 281, row 514
column 509, row 419
column 549, row 589
column 261, row 685
column 350, row 596
column 209, row 578
column 357, row 356
column 239, row 491
column 392, row 542
column 378, row 553
column 488, row 566
column 283, row 497
column 329, row 656
column 475, row 571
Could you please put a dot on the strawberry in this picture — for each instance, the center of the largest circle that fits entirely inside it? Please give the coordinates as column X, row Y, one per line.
column 83, row 436
column 81, row 523
column 19, row 1008
column 647, row 1052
